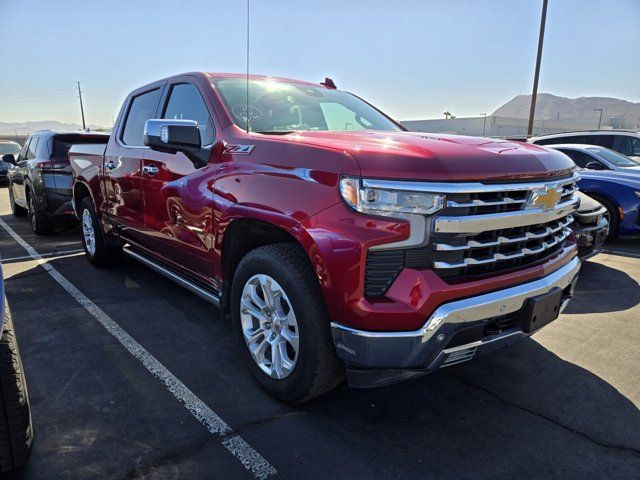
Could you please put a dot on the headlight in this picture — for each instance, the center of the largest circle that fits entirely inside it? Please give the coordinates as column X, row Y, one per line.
column 637, row 193
column 388, row 201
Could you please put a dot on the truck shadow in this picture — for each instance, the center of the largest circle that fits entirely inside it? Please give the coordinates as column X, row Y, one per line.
column 603, row 289
column 521, row 410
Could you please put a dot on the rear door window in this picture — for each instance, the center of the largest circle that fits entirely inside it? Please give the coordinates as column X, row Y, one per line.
column 186, row 103
column 143, row 107
column 602, row 140
column 626, row 145
column 557, row 140
column 23, row 151
column 31, row 151
column 42, row 150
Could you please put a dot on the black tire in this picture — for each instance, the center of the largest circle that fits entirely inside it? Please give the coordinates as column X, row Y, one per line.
column 317, row 369
column 17, row 210
column 40, row 224
column 614, row 217
column 16, row 431
column 103, row 255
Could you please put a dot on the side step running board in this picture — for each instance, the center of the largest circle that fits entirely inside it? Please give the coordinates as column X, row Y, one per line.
column 207, row 295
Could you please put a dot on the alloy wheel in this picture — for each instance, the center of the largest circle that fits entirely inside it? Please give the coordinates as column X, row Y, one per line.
column 269, row 326
column 12, row 200
column 88, row 232
column 32, row 212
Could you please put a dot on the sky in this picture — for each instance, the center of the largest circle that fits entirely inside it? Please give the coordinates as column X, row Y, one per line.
column 413, row 59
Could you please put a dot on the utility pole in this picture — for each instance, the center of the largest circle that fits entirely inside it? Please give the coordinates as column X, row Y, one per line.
column 534, row 95
column 600, row 119
column 84, row 126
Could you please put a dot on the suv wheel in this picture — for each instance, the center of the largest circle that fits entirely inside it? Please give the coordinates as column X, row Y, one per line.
column 281, row 323
column 40, row 224
column 97, row 251
column 16, row 431
column 17, row 210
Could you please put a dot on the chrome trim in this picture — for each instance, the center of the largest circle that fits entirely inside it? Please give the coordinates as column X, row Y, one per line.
column 481, row 307
column 485, row 203
column 417, row 234
column 495, row 221
column 464, row 187
column 423, row 348
column 504, row 240
column 505, row 256
column 180, row 280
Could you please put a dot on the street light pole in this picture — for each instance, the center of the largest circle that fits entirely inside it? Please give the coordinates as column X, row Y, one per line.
column 484, row 123
column 600, row 119
column 536, row 76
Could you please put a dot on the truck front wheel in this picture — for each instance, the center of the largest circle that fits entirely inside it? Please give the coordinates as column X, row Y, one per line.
column 97, row 251
column 281, row 324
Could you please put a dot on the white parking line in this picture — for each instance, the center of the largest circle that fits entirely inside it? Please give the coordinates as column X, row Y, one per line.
column 250, row 458
column 50, row 254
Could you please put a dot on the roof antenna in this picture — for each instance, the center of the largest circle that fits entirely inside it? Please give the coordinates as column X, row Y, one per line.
column 247, row 106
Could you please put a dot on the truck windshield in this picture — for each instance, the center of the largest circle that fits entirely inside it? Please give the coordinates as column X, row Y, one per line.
column 616, row 158
column 279, row 107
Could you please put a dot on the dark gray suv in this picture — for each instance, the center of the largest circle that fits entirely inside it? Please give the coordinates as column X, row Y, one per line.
column 40, row 178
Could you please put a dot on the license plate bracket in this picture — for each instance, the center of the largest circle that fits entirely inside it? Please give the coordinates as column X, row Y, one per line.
column 540, row 310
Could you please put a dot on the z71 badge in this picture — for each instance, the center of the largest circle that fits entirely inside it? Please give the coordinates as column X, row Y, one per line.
column 239, row 149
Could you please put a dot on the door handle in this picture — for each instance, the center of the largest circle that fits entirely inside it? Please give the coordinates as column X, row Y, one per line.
column 150, row 170
column 109, row 165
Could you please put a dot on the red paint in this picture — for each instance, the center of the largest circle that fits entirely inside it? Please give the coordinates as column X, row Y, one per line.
column 181, row 214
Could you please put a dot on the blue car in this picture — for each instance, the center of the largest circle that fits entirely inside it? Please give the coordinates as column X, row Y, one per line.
column 619, row 192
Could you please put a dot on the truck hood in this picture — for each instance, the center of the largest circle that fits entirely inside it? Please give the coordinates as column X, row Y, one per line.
column 430, row 156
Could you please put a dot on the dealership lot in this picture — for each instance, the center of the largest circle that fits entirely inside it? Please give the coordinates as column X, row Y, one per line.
column 563, row 403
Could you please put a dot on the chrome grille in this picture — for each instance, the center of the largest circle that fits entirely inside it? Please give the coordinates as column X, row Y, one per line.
column 484, row 229
column 469, row 239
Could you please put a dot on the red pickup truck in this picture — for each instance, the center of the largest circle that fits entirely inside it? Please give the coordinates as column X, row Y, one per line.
column 333, row 239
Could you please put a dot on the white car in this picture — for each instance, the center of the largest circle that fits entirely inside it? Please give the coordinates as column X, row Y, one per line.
column 7, row 147
column 626, row 143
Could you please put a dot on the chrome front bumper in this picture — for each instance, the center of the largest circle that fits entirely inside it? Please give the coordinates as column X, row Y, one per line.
column 426, row 349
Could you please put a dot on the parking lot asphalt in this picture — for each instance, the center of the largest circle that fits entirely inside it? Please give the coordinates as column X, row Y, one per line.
column 564, row 403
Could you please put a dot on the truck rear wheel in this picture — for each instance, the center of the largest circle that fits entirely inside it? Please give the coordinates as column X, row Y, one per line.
column 95, row 248
column 16, row 431
column 281, row 324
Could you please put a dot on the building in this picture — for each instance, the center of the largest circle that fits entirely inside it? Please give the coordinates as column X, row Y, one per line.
column 500, row 127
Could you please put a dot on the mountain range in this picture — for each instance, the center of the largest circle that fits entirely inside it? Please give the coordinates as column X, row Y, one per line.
column 615, row 112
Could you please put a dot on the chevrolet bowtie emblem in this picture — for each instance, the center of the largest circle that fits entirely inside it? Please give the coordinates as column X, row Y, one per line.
column 545, row 198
